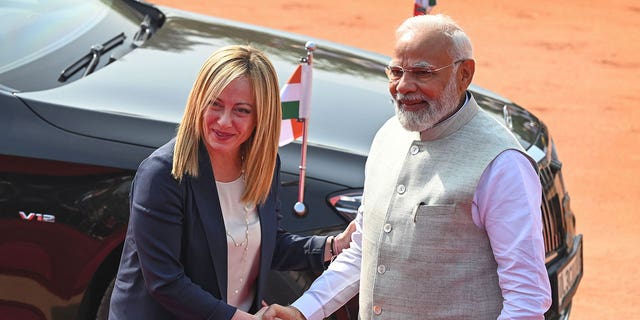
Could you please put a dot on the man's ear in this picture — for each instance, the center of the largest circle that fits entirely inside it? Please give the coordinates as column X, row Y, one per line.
column 467, row 69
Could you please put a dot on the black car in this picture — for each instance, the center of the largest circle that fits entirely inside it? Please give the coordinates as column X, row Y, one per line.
column 89, row 88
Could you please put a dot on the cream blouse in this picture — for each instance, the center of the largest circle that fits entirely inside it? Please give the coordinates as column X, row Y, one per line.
column 243, row 260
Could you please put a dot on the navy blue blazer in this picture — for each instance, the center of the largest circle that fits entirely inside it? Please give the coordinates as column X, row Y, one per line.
column 174, row 260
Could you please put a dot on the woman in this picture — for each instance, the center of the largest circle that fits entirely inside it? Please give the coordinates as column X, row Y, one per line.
column 204, row 227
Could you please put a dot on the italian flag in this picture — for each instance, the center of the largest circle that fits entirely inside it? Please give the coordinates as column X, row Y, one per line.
column 296, row 100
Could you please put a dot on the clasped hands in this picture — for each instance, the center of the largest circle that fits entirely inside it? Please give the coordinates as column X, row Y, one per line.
column 278, row 312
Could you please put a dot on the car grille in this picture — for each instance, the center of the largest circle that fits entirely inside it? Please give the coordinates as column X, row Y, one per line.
column 551, row 211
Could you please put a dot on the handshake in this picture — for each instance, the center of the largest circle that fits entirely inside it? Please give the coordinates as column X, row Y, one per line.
column 278, row 312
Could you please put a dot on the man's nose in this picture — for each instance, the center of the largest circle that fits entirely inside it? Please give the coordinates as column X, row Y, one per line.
column 405, row 84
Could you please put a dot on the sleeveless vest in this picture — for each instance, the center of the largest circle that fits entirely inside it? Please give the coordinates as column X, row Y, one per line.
column 422, row 255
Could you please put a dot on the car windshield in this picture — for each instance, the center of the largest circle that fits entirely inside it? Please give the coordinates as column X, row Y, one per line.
column 37, row 28
column 41, row 38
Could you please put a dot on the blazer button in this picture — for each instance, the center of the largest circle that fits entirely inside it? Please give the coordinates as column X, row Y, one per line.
column 387, row 228
column 401, row 188
column 382, row 269
column 414, row 150
column 377, row 309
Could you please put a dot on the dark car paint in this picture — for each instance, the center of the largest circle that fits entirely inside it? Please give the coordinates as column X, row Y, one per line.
column 71, row 151
column 105, row 107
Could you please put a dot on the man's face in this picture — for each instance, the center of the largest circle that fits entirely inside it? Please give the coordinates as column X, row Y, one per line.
column 425, row 98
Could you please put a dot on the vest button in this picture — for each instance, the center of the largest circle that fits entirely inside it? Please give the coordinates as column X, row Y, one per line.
column 414, row 150
column 387, row 228
column 401, row 189
column 377, row 309
column 382, row 269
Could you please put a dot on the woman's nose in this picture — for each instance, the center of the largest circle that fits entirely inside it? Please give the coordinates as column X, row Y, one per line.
column 225, row 118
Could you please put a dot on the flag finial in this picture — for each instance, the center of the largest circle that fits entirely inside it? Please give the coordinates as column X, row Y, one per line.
column 311, row 47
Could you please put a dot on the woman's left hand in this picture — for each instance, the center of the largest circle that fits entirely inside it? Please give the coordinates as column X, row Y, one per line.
column 342, row 240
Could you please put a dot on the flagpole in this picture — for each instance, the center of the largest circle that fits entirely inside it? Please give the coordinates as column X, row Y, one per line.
column 300, row 208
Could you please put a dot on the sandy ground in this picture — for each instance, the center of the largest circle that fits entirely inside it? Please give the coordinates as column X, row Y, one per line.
column 573, row 63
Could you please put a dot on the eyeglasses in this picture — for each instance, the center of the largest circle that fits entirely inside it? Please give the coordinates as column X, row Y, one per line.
column 394, row 73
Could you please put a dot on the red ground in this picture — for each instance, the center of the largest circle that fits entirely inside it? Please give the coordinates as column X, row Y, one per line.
column 574, row 63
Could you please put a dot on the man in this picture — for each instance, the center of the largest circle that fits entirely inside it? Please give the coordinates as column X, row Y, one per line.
column 450, row 226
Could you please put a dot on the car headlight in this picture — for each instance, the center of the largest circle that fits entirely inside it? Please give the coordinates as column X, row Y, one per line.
column 346, row 202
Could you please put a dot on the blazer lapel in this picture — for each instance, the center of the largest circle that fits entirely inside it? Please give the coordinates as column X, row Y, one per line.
column 206, row 198
column 268, row 228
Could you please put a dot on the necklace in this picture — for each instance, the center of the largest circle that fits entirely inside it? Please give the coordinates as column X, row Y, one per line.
column 244, row 243
column 239, row 262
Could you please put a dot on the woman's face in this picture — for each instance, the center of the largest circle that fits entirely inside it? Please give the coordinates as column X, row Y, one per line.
column 231, row 119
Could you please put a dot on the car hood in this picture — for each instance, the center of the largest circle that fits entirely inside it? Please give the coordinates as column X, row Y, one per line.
column 140, row 98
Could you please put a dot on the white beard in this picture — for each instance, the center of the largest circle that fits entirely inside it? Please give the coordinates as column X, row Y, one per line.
column 435, row 112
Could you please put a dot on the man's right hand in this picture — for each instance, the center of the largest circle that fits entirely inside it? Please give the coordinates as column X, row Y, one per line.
column 277, row 312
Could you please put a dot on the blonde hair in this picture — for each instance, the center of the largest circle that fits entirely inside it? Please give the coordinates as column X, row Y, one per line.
column 259, row 152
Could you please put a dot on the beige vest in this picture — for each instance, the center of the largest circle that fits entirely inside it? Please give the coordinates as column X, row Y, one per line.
column 423, row 257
